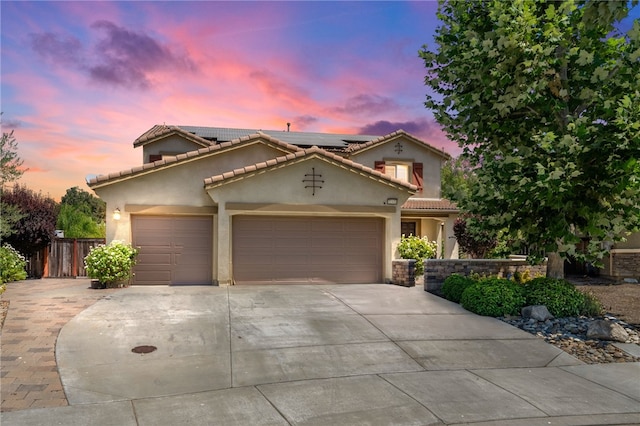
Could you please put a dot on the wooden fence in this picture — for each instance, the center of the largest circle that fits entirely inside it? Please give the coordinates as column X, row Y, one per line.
column 64, row 258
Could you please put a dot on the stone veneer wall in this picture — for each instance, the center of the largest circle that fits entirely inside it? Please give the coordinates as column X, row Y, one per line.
column 404, row 272
column 437, row 270
column 625, row 264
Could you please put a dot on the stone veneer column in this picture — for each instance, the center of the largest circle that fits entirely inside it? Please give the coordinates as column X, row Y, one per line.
column 404, row 272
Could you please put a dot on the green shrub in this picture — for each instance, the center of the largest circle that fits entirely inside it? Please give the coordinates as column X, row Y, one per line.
column 417, row 248
column 111, row 263
column 493, row 297
column 592, row 306
column 12, row 265
column 560, row 297
column 454, row 286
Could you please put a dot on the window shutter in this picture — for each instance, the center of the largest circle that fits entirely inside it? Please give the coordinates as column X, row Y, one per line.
column 154, row 157
column 379, row 166
column 417, row 176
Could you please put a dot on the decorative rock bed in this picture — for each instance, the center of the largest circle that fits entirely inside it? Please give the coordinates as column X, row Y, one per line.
column 570, row 335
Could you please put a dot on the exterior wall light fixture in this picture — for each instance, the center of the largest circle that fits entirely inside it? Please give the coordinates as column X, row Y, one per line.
column 116, row 214
column 392, row 201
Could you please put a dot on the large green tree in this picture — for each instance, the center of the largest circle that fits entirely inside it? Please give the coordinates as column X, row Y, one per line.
column 456, row 179
column 82, row 215
column 77, row 224
column 86, row 203
column 544, row 97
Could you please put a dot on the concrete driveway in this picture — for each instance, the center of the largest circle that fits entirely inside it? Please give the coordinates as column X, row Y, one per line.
column 319, row 355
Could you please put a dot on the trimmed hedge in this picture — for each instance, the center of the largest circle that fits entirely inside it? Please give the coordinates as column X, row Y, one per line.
column 493, row 297
column 560, row 297
column 455, row 285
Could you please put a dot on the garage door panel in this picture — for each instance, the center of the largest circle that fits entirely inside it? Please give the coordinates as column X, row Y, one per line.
column 291, row 226
column 191, row 260
column 154, row 259
column 306, row 249
column 294, row 260
column 155, row 240
column 290, row 243
column 152, row 276
column 193, row 242
column 173, row 249
column 254, row 245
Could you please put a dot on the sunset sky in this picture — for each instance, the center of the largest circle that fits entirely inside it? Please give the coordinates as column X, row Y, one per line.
column 82, row 80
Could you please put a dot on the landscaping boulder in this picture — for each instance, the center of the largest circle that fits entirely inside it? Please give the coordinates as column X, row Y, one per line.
column 537, row 312
column 607, row 330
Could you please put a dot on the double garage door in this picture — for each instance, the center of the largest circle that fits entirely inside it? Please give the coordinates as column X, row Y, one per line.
column 277, row 250
column 265, row 250
column 173, row 249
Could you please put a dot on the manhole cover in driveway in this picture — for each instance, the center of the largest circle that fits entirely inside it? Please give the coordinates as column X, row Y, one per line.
column 144, row 349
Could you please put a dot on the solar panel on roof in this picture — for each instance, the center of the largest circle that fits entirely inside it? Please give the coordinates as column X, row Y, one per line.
column 302, row 139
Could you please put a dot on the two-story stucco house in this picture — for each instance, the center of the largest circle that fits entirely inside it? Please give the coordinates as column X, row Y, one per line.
column 243, row 206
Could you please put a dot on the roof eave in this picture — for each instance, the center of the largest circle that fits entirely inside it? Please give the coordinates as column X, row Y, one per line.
column 160, row 132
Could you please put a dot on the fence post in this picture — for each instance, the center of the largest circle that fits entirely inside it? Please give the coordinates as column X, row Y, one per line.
column 74, row 266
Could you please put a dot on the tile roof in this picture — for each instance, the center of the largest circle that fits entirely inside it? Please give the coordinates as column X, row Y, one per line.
column 188, row 156
column 300, row 155
column 160, row 131
column 354, row 148
column 430, row 204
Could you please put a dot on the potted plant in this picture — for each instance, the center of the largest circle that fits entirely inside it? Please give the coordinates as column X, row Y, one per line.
column 110, row 264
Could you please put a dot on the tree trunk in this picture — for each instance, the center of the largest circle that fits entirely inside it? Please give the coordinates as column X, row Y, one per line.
column 555, row 265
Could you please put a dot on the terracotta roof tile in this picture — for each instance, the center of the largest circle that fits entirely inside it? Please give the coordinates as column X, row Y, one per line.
column 429, row 204
column 160, row 131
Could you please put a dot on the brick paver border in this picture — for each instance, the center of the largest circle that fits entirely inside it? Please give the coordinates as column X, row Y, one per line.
column 38, row 309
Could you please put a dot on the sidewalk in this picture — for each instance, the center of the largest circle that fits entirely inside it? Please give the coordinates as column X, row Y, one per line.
column 37, row 312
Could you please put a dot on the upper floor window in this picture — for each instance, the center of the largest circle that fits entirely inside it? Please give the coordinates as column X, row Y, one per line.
column 398, row 171
column 407, row 172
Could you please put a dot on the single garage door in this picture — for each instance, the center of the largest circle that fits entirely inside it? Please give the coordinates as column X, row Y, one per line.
column 173, row 249
column 268, row 250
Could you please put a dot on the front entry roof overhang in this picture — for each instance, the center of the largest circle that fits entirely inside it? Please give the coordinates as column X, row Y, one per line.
column 429, row 205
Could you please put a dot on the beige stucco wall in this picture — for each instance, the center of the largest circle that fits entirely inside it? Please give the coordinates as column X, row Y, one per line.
column 411, row 153
column 282, row 192
column 632, row 242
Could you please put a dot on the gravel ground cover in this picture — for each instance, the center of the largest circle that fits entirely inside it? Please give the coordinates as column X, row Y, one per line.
column 621, row 303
